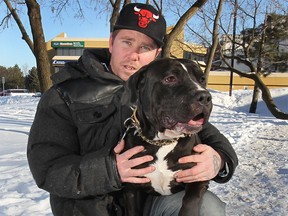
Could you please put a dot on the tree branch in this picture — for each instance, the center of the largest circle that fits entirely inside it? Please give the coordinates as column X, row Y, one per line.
column 266, row 95
column 5, row 19
column 180, row 26
column 25, row 36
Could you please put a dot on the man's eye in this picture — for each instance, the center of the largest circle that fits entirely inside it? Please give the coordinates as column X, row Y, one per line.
column 145, row 48
column 127, row 43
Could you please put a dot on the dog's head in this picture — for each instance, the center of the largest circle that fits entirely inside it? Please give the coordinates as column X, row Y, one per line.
column 170, row 97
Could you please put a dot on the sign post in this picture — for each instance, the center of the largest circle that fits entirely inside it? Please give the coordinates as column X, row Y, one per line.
column 3, row 83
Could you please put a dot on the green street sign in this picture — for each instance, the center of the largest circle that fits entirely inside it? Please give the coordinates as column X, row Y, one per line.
column 69, row 44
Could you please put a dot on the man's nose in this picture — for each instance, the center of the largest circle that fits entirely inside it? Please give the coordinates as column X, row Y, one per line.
column 134, row 54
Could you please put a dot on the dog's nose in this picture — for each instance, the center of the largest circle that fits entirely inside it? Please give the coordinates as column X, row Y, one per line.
column 203, row 97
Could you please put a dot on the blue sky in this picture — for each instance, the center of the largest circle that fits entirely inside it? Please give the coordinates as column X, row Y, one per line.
column 14, row 50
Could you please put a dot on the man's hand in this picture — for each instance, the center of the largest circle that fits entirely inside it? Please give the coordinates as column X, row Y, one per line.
column 125, row 164
column 208, row 164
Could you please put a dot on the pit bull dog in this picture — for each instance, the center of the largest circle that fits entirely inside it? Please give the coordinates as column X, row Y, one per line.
column 170, row 105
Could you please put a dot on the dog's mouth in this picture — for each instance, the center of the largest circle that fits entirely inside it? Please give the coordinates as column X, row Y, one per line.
column 194, row 125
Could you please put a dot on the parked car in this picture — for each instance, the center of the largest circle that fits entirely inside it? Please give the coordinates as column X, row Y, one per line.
column 37, row 94
column 14, row 92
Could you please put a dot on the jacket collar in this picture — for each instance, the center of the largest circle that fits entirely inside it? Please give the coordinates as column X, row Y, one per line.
column 93, row 63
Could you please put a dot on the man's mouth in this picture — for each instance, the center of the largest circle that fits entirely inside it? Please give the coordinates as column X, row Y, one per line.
column 130, row 68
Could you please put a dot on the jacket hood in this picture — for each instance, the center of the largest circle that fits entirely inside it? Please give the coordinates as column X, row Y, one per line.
column 93, row 63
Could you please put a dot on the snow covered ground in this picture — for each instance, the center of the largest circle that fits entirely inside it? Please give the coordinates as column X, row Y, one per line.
column 259, row 186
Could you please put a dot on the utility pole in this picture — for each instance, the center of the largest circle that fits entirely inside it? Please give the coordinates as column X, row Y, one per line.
column 233, row 46
column 3, row 84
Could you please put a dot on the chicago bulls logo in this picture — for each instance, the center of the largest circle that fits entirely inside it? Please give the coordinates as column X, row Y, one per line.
column 145, row 17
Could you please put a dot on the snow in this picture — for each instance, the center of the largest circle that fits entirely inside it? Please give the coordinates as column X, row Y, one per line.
column 258, row 187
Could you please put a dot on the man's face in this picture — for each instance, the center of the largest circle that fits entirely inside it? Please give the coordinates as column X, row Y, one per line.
column 130, row 50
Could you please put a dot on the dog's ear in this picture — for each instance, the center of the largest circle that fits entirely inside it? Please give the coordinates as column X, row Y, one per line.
column 133, row 86
column 195, row 69
column 190, row 65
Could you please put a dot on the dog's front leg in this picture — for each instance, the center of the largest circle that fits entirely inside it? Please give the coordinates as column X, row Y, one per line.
column 192, row 199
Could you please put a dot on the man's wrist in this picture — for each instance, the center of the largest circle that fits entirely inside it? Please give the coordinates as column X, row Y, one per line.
column 222, row 161
column 224, row 171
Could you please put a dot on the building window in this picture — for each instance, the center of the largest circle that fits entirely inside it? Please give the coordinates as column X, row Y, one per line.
column 194, row 56
column 79, row 51
column 69, row 51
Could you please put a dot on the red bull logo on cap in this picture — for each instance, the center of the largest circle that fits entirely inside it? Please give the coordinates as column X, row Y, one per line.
column 145, row 17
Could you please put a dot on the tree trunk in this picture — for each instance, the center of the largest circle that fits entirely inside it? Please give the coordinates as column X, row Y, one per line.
column 253, row 105
column 40, row 52
column 215, row 41
column 254, row 102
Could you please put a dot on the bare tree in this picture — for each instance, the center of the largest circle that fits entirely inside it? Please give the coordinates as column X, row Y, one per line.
column 254, row 61
column 38, row 45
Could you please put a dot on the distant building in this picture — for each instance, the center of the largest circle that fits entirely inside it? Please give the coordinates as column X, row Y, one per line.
column 62, row 49
column 278, row 46
column 226, row 42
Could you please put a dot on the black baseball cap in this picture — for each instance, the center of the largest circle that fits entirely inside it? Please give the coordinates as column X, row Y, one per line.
column 142, row 18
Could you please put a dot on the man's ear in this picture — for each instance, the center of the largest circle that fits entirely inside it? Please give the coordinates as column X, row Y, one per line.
column 158, row 52
column 110, row 43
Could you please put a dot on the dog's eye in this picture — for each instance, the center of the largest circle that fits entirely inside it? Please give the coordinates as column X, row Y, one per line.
column 170, row 79
column 202, row 79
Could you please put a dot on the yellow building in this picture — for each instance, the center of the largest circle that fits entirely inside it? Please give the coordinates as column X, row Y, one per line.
column 62, row 49
column 182, row 49
column 220, row 80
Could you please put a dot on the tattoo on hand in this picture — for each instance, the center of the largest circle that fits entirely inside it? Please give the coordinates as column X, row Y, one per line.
column 216, row 162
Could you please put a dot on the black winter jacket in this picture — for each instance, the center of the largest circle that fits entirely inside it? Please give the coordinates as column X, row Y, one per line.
column 76, row 126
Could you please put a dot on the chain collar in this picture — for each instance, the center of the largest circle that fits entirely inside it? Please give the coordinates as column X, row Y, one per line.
column 133, row 122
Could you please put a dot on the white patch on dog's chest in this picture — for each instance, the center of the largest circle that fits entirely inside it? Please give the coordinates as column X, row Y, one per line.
column 162, row 176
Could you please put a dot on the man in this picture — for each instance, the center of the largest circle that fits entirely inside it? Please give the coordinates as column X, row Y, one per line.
column 73, row 150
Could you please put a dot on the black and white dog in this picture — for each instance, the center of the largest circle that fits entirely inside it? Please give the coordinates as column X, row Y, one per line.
column 171, row 105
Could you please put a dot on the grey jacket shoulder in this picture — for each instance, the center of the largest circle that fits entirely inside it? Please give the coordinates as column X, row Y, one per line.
column 90, row 64
column 87, row 80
